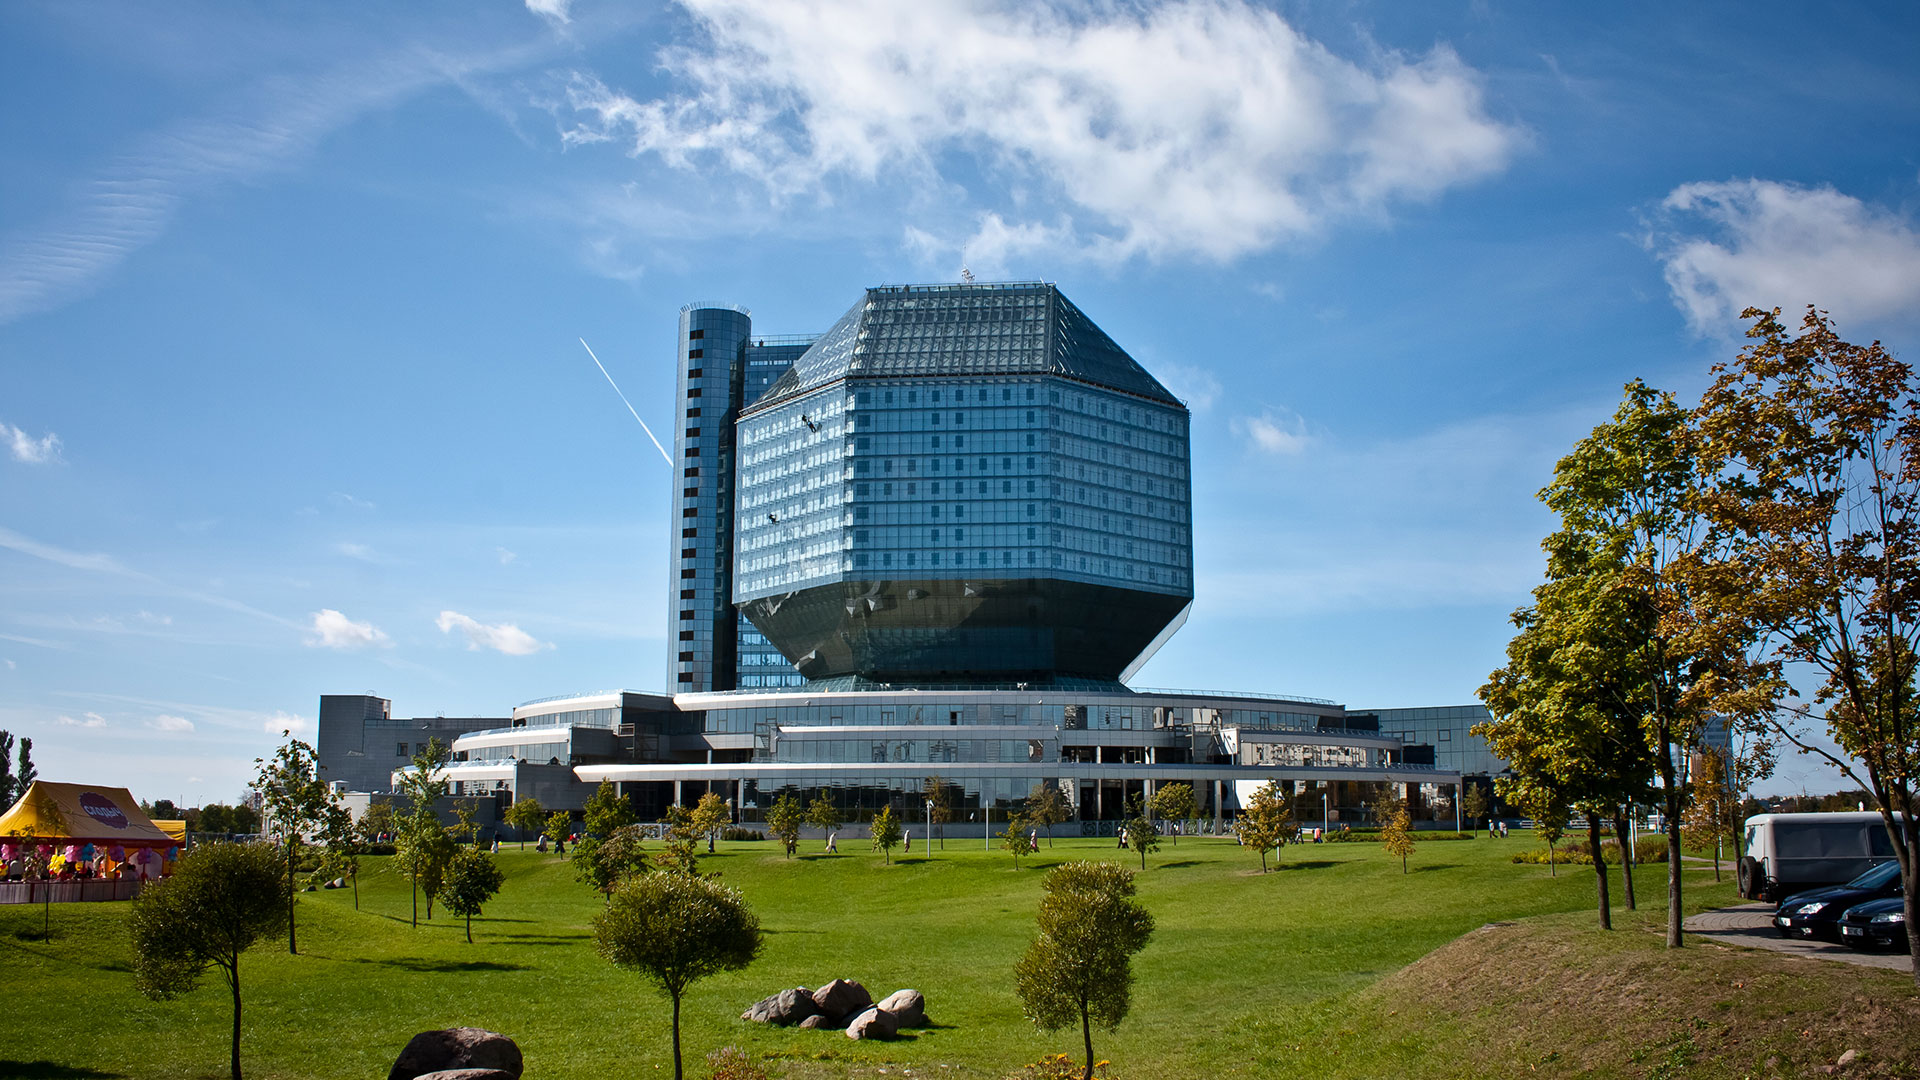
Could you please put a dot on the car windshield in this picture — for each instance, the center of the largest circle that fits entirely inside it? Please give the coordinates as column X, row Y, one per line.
column 1876, row 878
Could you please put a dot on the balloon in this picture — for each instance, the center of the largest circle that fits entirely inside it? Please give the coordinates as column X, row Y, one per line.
column 46, row 850
column 73, row 852
column 7, row 852
column 86, row 851
column 173, row 852
column 118, row 854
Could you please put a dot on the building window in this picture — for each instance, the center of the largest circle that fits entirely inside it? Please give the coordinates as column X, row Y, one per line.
column 399, row 749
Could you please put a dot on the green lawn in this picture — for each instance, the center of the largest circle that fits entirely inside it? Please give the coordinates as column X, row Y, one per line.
column 1236, row 954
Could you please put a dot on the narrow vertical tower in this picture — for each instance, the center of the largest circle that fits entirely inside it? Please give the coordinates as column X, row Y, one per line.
column 712, row 348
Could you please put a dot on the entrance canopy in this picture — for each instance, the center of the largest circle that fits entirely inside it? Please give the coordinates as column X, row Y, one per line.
column 81, row 814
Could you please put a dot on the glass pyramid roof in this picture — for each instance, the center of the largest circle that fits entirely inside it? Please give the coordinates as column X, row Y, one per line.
column 1025, row 328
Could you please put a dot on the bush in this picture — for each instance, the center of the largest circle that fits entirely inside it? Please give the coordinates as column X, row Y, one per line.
column 1575, row 852
column 734, row 832
column 1061, row 1067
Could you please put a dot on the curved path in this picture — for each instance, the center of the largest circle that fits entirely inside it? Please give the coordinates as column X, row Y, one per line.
column 1752, row 924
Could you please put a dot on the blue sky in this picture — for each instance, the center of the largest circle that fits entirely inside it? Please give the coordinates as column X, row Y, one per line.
column 291, row 400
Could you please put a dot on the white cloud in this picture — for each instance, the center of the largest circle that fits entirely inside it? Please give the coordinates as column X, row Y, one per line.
column 171, row 723
column 356, row 551
column 11, row 666
column 1274, row 432
column 341, row 498
column 1192, row 384
column 286, row 721
column 150, row 617
column 88, row 720
column 41, row 451
column 555, row 10
column 1198, row 128
column 505, row 556
column 1760, row 243
column 333, row 630
column 502, row 637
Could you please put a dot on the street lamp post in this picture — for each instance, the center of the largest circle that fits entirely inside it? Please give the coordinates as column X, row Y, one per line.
column 986, row 833
column 1325, row 820
column 929, row 828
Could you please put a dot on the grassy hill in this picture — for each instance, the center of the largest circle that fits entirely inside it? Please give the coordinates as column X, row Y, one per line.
column 1298, row 972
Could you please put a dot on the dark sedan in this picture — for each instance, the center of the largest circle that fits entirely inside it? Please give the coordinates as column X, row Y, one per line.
column 1817, row 913
column 1876, row 924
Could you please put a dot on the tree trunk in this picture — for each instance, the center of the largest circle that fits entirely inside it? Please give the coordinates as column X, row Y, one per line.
column 1674, row 939
column 234, row 982
column 292, row 946
column 676, row 1037
column 469, row 929
column 416, row 904
column 1600, row 870
column 1625, row 837
column 356, row 889
column 1086, row 1035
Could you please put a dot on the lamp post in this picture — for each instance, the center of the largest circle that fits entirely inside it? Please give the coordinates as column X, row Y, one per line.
column 929, row 828
column 986, row 833
column 1325, row 826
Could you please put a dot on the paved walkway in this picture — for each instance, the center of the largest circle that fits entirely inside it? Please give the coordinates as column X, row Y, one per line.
column 1752, row 925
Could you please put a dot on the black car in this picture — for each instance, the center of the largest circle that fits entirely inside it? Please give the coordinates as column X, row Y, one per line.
column 1876, row 924
column 1817, row 913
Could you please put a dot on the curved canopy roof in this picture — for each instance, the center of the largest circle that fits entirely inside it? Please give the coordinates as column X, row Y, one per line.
column 1025, row 328
column 81, row 813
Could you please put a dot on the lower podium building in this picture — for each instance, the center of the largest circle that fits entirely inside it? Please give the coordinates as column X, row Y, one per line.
column 927, row 550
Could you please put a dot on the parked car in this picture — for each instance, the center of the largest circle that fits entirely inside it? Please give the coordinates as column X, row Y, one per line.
column 1876, row 924
column 1816, row 914
column 1791, row 853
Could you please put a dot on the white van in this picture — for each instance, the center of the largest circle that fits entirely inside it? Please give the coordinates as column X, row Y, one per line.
column 1789, row 853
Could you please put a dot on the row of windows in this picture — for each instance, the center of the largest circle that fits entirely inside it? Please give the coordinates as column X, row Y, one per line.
column 747, row 720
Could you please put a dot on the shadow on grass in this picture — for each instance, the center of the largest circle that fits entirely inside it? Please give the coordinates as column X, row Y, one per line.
column 1311, row 864
column 541, row 939
column 1177, row 865
column 1434, row 866
column 415, row 964
column 47, row 1070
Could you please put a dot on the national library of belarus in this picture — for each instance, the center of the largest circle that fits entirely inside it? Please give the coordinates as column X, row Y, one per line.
column 935, row 541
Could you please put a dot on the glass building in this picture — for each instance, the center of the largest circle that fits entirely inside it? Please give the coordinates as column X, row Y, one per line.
column 923, row 553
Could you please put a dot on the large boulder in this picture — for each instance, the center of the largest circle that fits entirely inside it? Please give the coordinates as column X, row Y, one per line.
column 908, row 1007
column 784, row 1008
column 456, row 1048
column 874, row 1023
column 468, row 1074
column 842, row 998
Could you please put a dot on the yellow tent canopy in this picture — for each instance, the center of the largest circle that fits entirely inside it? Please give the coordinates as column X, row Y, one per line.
column 173, row 827
column 81, row 814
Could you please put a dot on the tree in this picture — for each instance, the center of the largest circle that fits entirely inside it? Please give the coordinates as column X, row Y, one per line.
column 1814, row 446
column 340, row 856
column 1015, row 840
column 604, row 864
column 526, row 815
column 25, row 773
column 1714, row 815
column 422, row 844
column 1396, row 827
column 941, row 809
column 1175, row 802
column 784, row 819
column 676, row 929
column 605, row 811
column 1549, row 814
column 7, row 795
column 1079, row 968
column 220, row 899
column 559, row 824
column 886, row 833
column 683, row 853
column 710, row 815
column 163, row 810
column 1142, row 834
column 472, row 879
column 822, row 815
column 377, row 823
column 1047, row 806
column 1265, row 822
column 298, row 803
column 1475, row 804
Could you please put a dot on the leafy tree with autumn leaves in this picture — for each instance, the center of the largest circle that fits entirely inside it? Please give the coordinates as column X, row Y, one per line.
column 1812, row 445
column 1265, row 822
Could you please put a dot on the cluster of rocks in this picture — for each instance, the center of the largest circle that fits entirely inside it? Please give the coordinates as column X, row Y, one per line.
column 465, row 1053
column 842, row 1003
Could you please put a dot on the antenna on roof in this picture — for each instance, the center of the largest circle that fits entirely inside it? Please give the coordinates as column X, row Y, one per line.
column 966, row 276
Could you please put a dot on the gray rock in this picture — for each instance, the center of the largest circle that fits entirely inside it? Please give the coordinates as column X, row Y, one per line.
column 875, row 1023
column 816, row 1021
column 464, row 1048
column 468, row 1074
column 842, row 998
column 908, row 1007
column 784, row 1008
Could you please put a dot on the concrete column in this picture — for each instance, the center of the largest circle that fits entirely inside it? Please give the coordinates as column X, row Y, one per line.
column 1216, row 807
column 676, row 794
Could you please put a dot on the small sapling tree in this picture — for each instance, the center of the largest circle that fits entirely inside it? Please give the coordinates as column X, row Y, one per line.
column 1142, row 834
column 886, row 833
column 822, row 815
column 1174, row 802
column 1265, row 822
column 526, row 815
column 676, row 929
column 472, row 879
column 784, row 819
column 1079, row 969
column 221, row 899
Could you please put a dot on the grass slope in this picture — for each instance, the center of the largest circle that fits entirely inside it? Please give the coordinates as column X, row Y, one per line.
column 1241, row 967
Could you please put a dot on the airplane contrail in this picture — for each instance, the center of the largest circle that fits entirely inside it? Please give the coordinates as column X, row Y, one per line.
column 628, row 404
